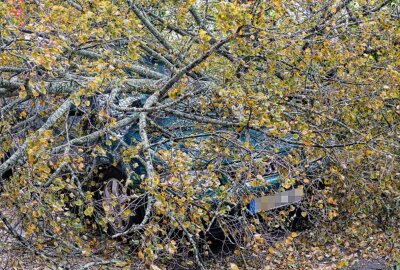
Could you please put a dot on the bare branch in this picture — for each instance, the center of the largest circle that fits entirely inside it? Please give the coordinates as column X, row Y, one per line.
column 49, row 122
column 151, row 27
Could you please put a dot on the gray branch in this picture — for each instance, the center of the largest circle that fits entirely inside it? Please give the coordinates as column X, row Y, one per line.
column 151, row 27
column 50, row 122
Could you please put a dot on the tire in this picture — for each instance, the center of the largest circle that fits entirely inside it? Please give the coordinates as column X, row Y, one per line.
column 114, row 201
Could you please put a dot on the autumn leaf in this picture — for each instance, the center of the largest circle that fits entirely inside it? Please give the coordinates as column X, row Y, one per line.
column 89, row 211
column 233, row 266
column 154, row 267
column 197, row 107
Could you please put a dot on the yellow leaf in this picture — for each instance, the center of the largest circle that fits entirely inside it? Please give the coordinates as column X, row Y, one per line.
column 77, row 101
column 308, row 143
column 100, row 150
column 121, row 264
column 286, row 184
column 331, row 200
column 332, row 214
column 31, row 229
column 22, row 114
column 35, row 93
column 140, row 255
column 127, row 213
column 89, row 211
column 43, row 90
column 252, row 228
column 47, row 133
column 234, row 267
column 204, row 36
column 22, row 94
column 154, row 267
column 289, row 240
column 343, row 264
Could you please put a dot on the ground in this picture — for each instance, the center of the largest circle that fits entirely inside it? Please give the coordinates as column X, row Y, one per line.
column 346, row 250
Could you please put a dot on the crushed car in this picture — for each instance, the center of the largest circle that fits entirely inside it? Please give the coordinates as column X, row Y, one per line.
column 246, row 165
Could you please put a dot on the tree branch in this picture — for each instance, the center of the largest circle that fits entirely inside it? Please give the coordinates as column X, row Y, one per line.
column 50, row 122
column 151, row 27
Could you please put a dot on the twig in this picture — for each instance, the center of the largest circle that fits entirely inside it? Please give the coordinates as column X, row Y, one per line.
column 192, row 242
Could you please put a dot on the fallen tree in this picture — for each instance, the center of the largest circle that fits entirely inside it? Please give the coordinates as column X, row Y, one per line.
column 183, row 100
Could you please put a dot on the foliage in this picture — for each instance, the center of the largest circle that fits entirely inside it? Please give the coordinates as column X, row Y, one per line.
column 322, row 76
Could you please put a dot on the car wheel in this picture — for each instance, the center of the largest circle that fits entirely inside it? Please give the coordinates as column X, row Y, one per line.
column 116, row 203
